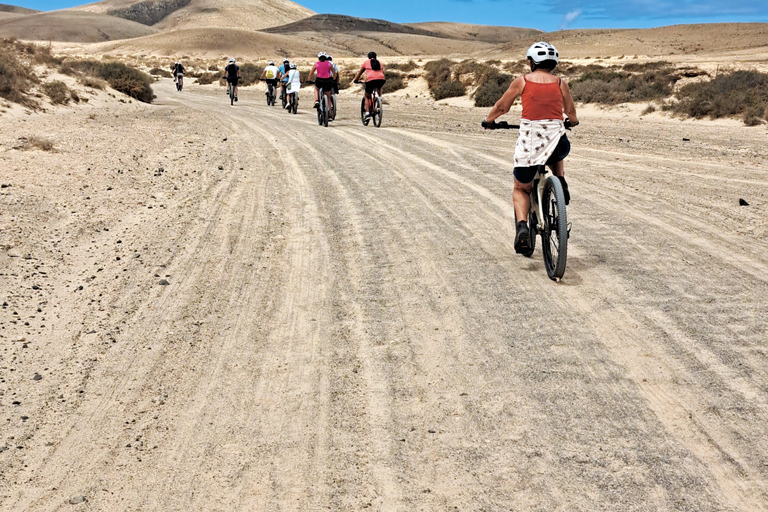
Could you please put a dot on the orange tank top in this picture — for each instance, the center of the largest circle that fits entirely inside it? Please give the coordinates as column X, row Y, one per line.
column 542, row 101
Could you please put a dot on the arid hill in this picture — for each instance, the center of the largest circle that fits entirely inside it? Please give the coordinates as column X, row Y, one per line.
column 484, row 33
column 71, row 26
column 338, row 23
column 16, row 9
column 190, row 14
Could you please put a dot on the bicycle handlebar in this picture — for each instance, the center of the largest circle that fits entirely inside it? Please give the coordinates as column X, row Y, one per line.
column 503, row 125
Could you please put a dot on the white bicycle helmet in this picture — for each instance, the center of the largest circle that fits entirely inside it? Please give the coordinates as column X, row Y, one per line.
column 293, row 65
column 322, row 54
column 541, row 51
column 271, row 63
column 232, row 60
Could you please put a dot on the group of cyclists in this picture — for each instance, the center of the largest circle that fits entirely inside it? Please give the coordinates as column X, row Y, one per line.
column 541, row 141
column 324, row 74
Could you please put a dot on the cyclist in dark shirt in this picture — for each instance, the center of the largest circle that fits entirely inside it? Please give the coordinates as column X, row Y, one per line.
column 177, row 69
column 232, row 74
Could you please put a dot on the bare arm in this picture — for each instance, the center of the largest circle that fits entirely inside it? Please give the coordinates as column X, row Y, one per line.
column 359, row 73
column 568, row 107
column 312, row 72
column 505, row 103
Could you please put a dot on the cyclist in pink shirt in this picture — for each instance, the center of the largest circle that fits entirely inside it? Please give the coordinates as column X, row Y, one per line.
column 374, row 78
column 325, row 77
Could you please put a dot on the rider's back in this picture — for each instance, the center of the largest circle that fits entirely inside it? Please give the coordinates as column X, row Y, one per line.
column 541, row 99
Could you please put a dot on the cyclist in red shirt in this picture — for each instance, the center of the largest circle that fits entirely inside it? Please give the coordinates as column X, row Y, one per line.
column 374, row 78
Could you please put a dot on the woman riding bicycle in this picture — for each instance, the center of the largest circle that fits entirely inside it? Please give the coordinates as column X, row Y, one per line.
column 542, row 139
column 326, row 78
column 374, row 79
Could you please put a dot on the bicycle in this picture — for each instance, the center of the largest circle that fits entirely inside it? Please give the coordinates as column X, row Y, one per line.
column 270, row 95
column 292, row 101
column 547, row 215
column 179, row 81
column 332, row 115
column 323, row 109
column 374, row 106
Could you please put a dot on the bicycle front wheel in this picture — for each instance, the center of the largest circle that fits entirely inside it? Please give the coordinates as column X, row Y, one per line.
column 554, row 234
column 377, row 111
column 362, row 113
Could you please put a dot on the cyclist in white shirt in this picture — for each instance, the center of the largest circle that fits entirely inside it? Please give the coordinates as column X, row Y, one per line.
column 271, row 74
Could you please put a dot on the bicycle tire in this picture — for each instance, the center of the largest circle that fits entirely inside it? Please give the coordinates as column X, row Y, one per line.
column 554, row 234
column 295, row 103
column 362, row 113
column 333, row 108
column 319, row 110
column 284, row 99
column 377, row 112
column 231, row 95
column 325, row 109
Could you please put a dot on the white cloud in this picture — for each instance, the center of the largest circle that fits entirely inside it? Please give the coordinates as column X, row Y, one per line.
column 569, row 18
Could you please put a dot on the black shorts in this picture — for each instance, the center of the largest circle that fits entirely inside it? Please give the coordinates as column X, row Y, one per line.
column 233, row 80
column 272, row 82
column 326, row 84
column 374, row 85
column 526, row 174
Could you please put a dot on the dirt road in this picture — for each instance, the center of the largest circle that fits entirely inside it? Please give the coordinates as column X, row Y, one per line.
column 345, row 325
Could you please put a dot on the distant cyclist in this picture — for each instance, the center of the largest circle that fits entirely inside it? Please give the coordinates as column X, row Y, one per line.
column 178, row 72
column 283, row 76
column 232, row 74
column 374, row 79
column 542, row 139
column 271, row 74
column 336, row 70
column 326, row 77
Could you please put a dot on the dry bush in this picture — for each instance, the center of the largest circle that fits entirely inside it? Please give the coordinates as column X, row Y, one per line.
column 492, row 88
column 213, row 67
column 478, row 70
column 739, row 93
column 395, row 81
column 449, row 89
column 119, row 76
column 160, row 72
column 57, row 91
column 16, row 77
column 516, row 67
column 93, row 82
column 611, row 87
column 438, row 71
column 399, row 66
column 648, row 110
column 207, row 78
column 250, row 74
column 38, row 53
column 35, row 142
column 634, row 67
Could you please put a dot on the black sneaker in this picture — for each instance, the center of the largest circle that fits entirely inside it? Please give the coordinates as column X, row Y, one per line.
column 235, row 98
column 565, row 190
column 522, row 238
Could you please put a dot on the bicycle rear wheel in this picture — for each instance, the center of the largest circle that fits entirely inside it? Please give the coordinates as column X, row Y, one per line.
column 554, row 234
column 326, row 110
column 333, row 107
column 231, row 94
column 377, row 111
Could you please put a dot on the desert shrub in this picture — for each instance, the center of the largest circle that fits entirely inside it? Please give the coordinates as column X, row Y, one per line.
column 16, row 78
column 345, row 79
column 492, row 88
column 648, row 110
column 608, row 86
column 437, row 72
column 35, row 142
column 40, row 54
column 635, row 67
column 478, row 72
column 128, row 80
column 403, row 66
column 160, row 72
column 740, row 93
column 493, row 62
column 213, row 67
column 395, row 81
column 449, row 89
column 57, row 91
column 250, row 73
column 93, row 82
column 208, row 78
column 119, row 76
column 519, row 66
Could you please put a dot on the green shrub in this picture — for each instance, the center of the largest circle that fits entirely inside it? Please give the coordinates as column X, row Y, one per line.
column 449, row 89
column 57, row 91
column 739, row 93
column 395, row 81
column 492, row 88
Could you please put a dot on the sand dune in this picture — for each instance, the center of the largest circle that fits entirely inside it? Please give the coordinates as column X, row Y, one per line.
column 189, row 14
column 70, row 26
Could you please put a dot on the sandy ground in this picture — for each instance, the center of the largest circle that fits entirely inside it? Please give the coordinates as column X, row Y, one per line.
column 208, row 307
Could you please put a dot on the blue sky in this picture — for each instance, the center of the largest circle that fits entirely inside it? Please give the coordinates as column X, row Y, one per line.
column 546, row 15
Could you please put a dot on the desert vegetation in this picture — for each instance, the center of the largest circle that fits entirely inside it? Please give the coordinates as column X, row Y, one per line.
column 16, row 76
column 119, row 76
